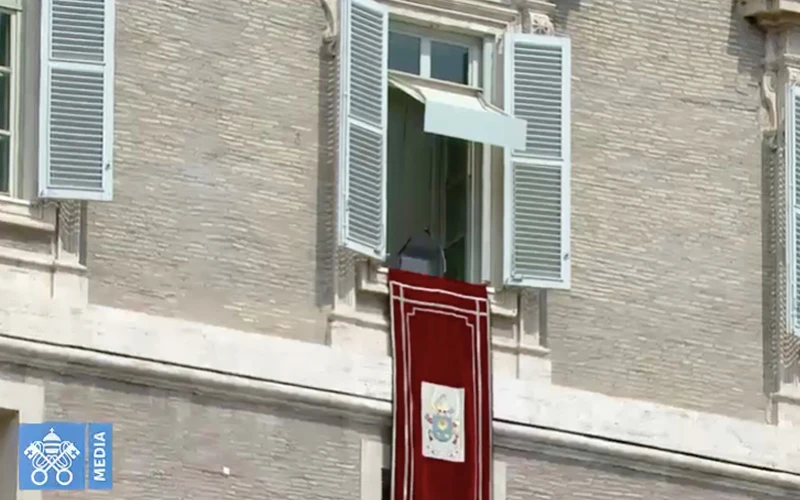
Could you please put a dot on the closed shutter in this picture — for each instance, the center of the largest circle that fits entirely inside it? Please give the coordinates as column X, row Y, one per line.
column 76, row 99
column 363, row 118
column 793, row 240
column 537, row 178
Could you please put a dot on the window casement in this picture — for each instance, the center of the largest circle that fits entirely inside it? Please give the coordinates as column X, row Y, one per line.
column 416, row 141
column 73, row 116
column 10, row 70
column 76, row 105
column 793, row 206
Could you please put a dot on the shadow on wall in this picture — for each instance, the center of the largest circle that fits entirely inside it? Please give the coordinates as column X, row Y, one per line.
column 746, row 43
column 326, row 179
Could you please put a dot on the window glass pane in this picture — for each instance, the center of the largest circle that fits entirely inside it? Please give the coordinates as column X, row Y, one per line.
column 4, row 165
column 5, row 108
column 386, row 483
column 5, row 39
column 404, row 52
column 449, row 62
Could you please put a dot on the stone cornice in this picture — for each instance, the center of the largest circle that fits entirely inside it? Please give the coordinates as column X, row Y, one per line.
column 771, row 13
column 510, row 434
column 234, row 365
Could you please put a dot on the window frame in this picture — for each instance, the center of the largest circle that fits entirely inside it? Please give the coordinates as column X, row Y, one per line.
column 14, row 70
column 792, row 95
column 476, row 163
column 428, row 35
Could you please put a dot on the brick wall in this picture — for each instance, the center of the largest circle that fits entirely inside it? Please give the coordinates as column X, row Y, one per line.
column 222, row 210
column 551, row 477
column 214, row 217
column 170, row 445
column 666, row 296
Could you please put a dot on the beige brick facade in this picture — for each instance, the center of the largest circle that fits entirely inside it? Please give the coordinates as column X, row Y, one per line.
column 224, row 223
column 217, row 167
column 222, row 205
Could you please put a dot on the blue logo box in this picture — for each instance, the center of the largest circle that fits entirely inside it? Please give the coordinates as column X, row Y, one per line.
column 60, row 455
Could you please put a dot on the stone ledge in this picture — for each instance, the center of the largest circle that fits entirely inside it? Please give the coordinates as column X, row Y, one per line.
column 30, row 274
column 377, row 281
column 367, row 333
column 771, row 11
column 32, row 260
column 230, row 364
column 26, row 214
column 373, row 405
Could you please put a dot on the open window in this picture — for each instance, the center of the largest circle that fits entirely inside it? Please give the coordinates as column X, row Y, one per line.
column 414, row 123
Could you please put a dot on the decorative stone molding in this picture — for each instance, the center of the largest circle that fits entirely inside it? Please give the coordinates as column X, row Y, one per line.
column 780, row 20
column 530, row 417
column 769, row 121
column 25, row 214
column 541, row 25
column 476, row 16
column 771, row 11
column 331, row 34
column 44, row 277
column 361, row 324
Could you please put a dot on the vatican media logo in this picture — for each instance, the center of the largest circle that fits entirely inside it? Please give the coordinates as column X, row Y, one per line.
column 54, row 456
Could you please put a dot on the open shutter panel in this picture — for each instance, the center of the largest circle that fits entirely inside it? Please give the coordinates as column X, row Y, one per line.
column 793, row 146
column 76, row 99
column 537, row 178
column 363, row 117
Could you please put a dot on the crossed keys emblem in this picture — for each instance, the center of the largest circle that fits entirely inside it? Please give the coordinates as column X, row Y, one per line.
column 51, row 453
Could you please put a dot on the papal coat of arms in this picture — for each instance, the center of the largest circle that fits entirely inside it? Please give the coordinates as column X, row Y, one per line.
column 442, row 412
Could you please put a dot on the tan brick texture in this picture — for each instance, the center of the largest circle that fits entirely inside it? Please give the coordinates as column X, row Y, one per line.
column 222, row 210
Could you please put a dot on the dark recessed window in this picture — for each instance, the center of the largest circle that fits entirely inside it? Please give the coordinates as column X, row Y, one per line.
column 386, row 483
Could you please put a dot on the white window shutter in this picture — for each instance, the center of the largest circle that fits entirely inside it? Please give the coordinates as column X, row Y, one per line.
column 363, row 117
column 76, row 114
column 536, row 246
column 793, row 245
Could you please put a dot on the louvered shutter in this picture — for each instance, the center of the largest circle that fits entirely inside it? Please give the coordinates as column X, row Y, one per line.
column 537, row 178
column 76, row 99
column 793, row 240
column 363, row 117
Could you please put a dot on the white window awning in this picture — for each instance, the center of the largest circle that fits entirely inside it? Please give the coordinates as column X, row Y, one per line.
column 460, row 111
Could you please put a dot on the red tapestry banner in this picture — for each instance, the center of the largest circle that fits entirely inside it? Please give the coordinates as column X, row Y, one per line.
column 442, row 436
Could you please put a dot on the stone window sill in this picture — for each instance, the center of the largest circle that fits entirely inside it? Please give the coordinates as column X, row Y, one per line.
column 27, row 215
column 376, row 280
column 31, row 260
column 366, row 329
